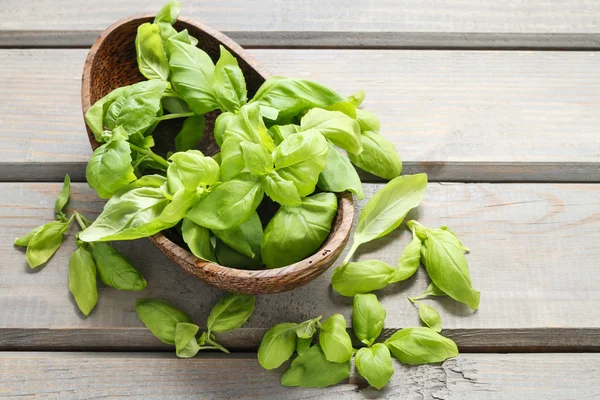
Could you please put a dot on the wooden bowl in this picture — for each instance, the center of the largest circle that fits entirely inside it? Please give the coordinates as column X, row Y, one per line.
column 111, row 63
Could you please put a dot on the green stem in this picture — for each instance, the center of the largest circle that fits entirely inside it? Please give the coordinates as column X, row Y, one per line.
column 351, row 252
column 173, row 116
column 151, row 154
column 217, row 345
column 79, row 220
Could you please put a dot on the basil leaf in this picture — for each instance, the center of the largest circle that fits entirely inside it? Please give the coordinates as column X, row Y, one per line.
column 190, row 134
column 409, row 261
column 151, row 58
column 344, row 107
column 229, row 82
column 281, row 132
column 228, row 257
column 430, row 316
column 169, row 12
column 312, row 224
column 95, row 115
column 387, row 208
column 161, row 318
column 175, row 105
column 357, row 98
column 229, row 204
column 24, row 240
column 368, row 316
column 280, row 190
column 115, row 269
column 231, row 312
column 300, row 159
column 258, row 160
column 244, row 238
column 307, row 329
column 186, row 345
column 312, row 370
column 221, row 124
column 192, row 75
column 62, row 199
column 269, row 112
column 464, row 248
column 82, row 280
column 292, row 96
column 339, row 175
column 361, row 277
column 416, row 346
column 45, row 242
column 337, row 127
column 198, row 240
column 181, row 36
column 179, row 206
column 375, row 365
column 277, row 345
column 367, row 121
column 334, row 339
column 191, row 169
column 433, row 290
column 378, row 157
column 302, row 345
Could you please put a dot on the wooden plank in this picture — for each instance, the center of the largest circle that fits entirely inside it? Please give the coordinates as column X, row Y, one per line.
column 532, row 251
column 458, row 115
column 144, row 375
column 413, row 23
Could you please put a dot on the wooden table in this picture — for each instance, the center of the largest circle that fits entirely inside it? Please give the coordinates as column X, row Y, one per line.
column 499, row 102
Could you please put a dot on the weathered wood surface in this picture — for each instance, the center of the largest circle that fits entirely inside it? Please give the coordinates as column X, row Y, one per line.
column 458, row 115
column 388, row 23
column 151, row 375
column 532, row 246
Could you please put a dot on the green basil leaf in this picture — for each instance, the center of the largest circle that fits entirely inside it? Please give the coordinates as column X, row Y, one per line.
column 300, row 159
column 95, row 115
column 281, row 132
column 24, row 240
column 221, row 124
column 192, row 75
column 409, row 261
column 375, row 365
column 191, row 169
column 433, row 290
column 344, row 107
column 179, row 206
column 229, row 82
column 62, row 199
column 186, row 345
column 430, row 316
column 258, row 160
column 416, row 346
column 228, row 257
column 367, row 121
column 312, row 370
column 357, row 98
column 190, row 134
column 45, row 242
column 115, row 269
column 175, row 105
column 229, row 204
column 161, row 318
column 464, row 248
column 82, row 280
column 198, row 240
column 244, row 238
column 231, row 312
column 169, row 33
column 280, row 190
column 361, row 277
column 169, row 12
column 336, row 126
column 339, row 175
column 334, row 339
column 277, row 345
column 269, row 112
column 302, row 345
column 307, row 329
column 378, row 157
column 368, row 316
column 312, row 224
column 151, row 58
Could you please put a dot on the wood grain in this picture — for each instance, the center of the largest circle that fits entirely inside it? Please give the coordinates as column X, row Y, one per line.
column 458, row 115
column 413, row 23
column 152, row 375
column 532, row 247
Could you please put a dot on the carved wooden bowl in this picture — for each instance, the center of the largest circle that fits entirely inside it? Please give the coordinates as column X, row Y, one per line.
column 111, row 63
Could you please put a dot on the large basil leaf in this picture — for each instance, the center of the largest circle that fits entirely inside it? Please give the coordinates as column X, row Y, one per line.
column 198, row 240
column 62, row 199
column 409, row 261
column 258, row 160
column 192, row 75
column 361, row 277
column 229, row 204
column 45, row 242
column 244, row 238
column 312, row 370
column 82, row 280
column 221, row 124
column 277, row 345
column 416, row 346
column 334, row 339
column 161, row 318
column 368, row 316
column 378, row 157
column 186, row 345
column 190, row 134
column 115, row 269
column 336, row 126
column 311, row 224
column 430, row 316
column 191, row 169
column 95, row 115
column 339, row 175
column 229, row 82
column 375, row 365
column 231, row 312
column 280, row 190
column 151, row 58
column 300, row 159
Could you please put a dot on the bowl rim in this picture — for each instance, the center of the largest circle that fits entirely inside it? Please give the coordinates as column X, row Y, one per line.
column 338, row 235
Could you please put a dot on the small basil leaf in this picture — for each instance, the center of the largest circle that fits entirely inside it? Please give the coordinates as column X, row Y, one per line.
column 191, row 169
column 114, row 268
column 433, row 290
column 258, row 160
column 312, row 370
column 221, row 124
column 278, row 345
column 190, row 134
column 416, row 346
column 430, row 316
column 281, row 132
column 280, row 190
column 169, row 12
column 82, row 280
column 161, row 318
column 375, row 365
column 378, row 157
column 367, row 121
column 307, row 329
column 336, row 126
column 186, row 345
column 357, row 98
column 409, row 261
column 339, row 175
column 368, row 316
column 228, row 257
column 24, row 240
column 344, row 107
column 198, row 240
column 231, row 312
column 302, row 345
column 95, row 115
column 62, row 199
column 464, row 248
column 334, row 339
column 244, row 238
column 361, row 277
column 151, row 58
column 45, row 242
column 175, row 105
column 179, row 206
column 229, row 82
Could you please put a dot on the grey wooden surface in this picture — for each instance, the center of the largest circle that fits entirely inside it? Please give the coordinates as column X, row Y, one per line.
column 457, row 115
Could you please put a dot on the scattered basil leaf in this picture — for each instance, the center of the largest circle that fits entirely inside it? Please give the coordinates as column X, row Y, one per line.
column 312, row 370
column 375, row 365
column 409, row 261
column 24, row 240
column 151, row 58
column 416, row 346
column 339, row 175
column 221, row 124
column 244, row 238
column 280, row 190
column 45, row 242
column 115, row 269
column 186, row 345
column 62, row 199
column 368, row 316
column 378, row 157
column 277, row 345
column 336, row 126
column 334, row 339
column 231, row 312
column 430, row 316
column 190, row 134
column 161, row 318
column 82, row 280
column 198, row 240
column 229, row 82
column 307, row 329
column 361, row 277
